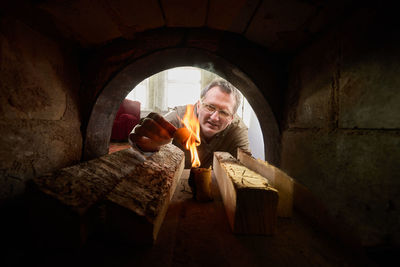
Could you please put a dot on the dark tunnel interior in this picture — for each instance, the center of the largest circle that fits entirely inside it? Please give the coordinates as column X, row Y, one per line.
column 321, row 76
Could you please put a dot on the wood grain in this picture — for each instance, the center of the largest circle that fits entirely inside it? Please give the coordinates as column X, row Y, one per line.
column 125, row 193
column 276, row 177
column 250, row 203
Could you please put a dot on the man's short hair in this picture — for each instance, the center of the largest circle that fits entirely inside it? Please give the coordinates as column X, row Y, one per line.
column 225, row 87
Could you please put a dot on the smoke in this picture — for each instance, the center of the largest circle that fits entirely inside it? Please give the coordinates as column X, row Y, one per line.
column 209, row 66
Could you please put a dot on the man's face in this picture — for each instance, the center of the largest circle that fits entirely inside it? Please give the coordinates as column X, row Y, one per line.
column 215, row 111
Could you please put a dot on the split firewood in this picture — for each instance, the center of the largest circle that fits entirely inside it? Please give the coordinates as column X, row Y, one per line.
column 136, row 207
column 276, row 177
column 69, row 204
column 63, row 203
column 250, row 203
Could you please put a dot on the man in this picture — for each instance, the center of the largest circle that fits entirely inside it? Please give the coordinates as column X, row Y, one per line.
column 220, row 128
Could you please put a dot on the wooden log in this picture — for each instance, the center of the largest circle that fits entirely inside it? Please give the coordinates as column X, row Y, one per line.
column 250, row 203
column 63, row 209
column 276, row 177
column 68, row 204
column 136, row 207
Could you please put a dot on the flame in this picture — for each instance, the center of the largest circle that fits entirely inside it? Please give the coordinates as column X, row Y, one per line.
column 192, row 124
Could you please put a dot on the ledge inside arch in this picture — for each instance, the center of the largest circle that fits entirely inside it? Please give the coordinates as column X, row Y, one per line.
column 98, row 131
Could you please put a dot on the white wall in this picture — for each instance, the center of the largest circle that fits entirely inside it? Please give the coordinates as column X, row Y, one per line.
column 256, row 138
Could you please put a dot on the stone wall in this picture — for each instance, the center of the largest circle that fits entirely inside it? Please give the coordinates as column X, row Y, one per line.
column 39, row 119
column 341, row 137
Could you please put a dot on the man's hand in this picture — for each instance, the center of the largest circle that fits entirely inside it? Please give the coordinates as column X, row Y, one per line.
column 153, row 132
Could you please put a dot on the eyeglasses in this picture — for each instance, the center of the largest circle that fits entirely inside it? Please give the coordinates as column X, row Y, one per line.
column 211, row 109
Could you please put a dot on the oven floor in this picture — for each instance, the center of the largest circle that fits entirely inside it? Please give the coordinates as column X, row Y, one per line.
column 198, row 234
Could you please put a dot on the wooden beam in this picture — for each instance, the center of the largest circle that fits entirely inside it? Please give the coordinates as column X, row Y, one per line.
column 250, row 203
column 71, row 203
column 276, row 177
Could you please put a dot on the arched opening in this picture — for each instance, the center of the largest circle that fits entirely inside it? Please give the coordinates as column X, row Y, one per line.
column 170, row 88
column 100, row 123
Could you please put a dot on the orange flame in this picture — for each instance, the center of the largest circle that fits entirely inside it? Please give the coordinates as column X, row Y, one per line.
column 192, row 124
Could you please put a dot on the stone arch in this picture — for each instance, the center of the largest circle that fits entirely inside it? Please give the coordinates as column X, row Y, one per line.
column 99, row 127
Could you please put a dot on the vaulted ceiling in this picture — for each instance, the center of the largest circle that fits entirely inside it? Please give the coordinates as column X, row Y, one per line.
column 282, row 26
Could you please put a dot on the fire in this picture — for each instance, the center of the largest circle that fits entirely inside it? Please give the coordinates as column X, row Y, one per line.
column 192, row 124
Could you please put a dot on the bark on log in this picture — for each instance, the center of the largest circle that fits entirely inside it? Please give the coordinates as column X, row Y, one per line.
column 276, row 177
column 136, row 207
column 67, row 205
column 250, row 203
